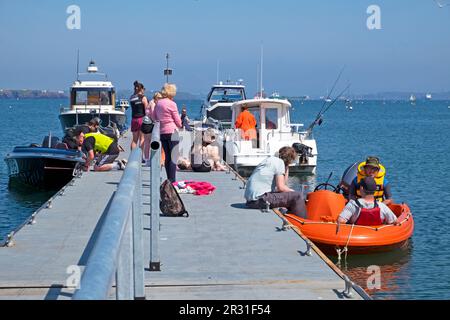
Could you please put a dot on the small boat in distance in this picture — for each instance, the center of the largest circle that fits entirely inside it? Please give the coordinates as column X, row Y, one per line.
column 48, row 166
column 429, row 96
column 90, row 99
column 412, row 99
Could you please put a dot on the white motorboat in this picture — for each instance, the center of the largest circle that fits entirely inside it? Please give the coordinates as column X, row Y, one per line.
column 429, row 96
column 216, row 109
column 90, row 99
column 123, row 104
column 274, row 131
column 412, row 99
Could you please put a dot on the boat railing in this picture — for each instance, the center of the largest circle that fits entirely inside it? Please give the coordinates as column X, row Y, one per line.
column 118, row 255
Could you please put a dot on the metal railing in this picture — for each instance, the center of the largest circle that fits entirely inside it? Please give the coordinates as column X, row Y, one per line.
column 119, row 249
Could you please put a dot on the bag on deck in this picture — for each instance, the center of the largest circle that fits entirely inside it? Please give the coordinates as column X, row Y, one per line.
column 171, row 203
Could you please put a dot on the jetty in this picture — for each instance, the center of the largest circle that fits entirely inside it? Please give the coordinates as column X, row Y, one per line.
column 102, row 237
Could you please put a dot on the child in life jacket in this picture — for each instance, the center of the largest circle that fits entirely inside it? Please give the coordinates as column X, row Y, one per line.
column 367, row 211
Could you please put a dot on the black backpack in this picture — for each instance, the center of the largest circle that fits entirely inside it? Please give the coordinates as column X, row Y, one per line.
column 171, row 204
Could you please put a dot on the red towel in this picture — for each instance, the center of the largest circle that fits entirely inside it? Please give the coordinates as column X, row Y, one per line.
column 201, row 188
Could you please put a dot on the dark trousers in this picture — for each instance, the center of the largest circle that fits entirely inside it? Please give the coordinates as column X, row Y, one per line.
column 170, row 164
column 293, row 201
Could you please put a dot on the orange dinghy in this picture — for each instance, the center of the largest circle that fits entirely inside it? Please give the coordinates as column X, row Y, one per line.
column 323, row 209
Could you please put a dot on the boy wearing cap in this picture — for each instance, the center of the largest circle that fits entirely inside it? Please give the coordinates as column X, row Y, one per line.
column 367, row 211
column 372, row 168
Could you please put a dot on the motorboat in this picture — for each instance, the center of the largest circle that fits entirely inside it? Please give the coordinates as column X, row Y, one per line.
column 50, row 165
column 93, row 98
column 320, row 226
column 412, row 99
column 429, row 96
column 123, row 104
column 217, row 108
column 323, row 207
column 274, row 131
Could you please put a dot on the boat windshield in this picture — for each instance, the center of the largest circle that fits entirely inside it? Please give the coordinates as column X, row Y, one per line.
column 227, row 95
column 91, row 96
column 271, row 118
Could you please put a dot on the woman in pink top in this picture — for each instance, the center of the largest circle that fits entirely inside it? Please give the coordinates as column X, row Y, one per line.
column 148, row 137
column 166, row 112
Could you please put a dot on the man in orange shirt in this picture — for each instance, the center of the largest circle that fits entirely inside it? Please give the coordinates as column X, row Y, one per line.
column 247, row 123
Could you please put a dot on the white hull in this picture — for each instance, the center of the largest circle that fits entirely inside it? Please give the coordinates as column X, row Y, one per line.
column 245, row 155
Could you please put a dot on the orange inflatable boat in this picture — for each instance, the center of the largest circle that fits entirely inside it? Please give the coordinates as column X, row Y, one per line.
column 323, row 209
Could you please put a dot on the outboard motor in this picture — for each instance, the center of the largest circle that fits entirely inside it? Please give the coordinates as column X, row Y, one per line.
column 347, row 178
column 303, row 151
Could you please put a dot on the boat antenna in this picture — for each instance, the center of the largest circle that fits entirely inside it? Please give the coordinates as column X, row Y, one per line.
column 258, row 70
column 218, row 69
column 78, row 64
column 262, row 68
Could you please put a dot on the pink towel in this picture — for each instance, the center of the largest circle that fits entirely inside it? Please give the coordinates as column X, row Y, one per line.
column 201, row 188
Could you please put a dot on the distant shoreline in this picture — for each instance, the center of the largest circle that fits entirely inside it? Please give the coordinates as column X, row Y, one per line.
column 59, row 94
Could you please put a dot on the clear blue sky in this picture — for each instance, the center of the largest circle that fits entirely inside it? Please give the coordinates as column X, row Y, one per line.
column 306, row 43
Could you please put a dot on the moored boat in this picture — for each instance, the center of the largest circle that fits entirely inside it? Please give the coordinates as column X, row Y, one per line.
column 90, row 99
column 217, row 107
column 273, row 131
column 320, row 226
column 48, row 166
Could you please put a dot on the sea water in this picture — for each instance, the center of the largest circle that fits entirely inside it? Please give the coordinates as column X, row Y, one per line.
column 413, row 142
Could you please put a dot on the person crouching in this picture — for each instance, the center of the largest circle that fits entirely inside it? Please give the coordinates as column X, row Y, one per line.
column 267, row 186
column 107, row 149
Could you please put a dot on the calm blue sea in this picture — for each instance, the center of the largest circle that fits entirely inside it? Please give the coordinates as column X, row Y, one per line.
column 412, row 141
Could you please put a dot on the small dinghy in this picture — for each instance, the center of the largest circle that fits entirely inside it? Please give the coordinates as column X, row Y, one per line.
column 324, row 207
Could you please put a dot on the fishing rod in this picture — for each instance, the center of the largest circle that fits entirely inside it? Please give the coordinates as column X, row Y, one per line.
column 319, row 120
column 332, row 89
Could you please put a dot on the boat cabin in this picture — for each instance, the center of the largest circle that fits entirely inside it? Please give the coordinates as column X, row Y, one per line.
column 273, row 131
column 217, row 106
column 272, row 119
column 92, row 94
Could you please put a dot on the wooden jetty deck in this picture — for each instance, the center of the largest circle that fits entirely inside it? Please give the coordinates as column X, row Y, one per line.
column 222, row 251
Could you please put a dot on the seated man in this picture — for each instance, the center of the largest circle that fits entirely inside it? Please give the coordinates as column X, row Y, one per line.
column 372, row 168
column 367, row 211
column 105, row 147
column 268, row 184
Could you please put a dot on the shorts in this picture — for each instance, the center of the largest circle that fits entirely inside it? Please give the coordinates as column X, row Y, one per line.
column 136, row 124
column 110, row 156
column 106, row 159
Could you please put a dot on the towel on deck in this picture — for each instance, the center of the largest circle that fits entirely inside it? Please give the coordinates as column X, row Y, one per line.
column 199, row 188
